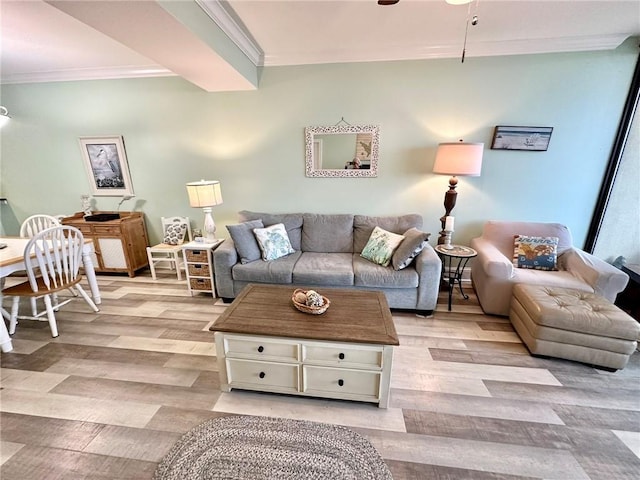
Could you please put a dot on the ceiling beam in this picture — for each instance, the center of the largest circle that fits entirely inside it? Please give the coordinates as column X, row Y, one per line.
column 177, row 35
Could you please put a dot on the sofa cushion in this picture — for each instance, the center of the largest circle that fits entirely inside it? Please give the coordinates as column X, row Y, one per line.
column 381, row 246
column 327, row 233
column 245, row 240
column 369, row 274
column 324, row 269
column 292, row 223
column 413, row 243
column 275, row 271
column 273, row 241
column 363, row 225
column 537, row 253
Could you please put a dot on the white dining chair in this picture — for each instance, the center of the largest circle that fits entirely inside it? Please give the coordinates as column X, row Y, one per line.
column 53, row 258
column 36, row 223
column 32, row 225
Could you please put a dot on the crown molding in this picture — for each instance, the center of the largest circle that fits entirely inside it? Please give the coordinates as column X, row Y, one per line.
column 225, row 19
column 70, row 75
column 474, row 49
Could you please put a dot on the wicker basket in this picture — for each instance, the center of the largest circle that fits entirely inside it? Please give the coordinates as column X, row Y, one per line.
column 304, row 308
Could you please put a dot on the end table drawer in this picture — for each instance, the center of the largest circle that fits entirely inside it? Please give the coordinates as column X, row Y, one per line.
column 196, row 255
column 200, row 283
column 322, row 380
column 198, row 269
column 263, row 375
column 346, row 356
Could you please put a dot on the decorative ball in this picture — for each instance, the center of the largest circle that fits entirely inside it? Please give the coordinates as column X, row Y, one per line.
column 301, row 297
column 314, row 299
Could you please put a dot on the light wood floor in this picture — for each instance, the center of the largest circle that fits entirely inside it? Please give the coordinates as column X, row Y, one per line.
column 117, row 388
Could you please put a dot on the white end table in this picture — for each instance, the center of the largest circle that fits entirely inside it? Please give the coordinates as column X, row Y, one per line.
column 198, row 264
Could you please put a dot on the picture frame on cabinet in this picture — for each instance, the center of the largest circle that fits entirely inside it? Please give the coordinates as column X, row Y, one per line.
column 521, row 138
column 105, row 162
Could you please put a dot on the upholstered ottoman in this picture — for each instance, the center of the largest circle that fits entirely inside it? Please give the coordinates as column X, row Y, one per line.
column 574, row 325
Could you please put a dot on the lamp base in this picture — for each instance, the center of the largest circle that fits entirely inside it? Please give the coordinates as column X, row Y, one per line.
column 209, row 225
column 450, row 198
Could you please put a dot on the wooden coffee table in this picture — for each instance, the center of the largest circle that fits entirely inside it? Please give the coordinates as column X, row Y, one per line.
column 263, row 343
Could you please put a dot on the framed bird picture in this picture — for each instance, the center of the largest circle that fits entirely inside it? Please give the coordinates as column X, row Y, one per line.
column 106, row 164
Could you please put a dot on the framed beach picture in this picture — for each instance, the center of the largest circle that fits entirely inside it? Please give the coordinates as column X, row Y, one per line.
column 105, row 162
column 521, row 138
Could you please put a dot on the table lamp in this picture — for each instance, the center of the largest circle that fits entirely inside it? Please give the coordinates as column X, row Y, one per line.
column 464, row 159
column 205, row 194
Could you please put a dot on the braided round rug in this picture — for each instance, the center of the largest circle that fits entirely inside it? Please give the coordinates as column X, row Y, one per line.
column 264, row 448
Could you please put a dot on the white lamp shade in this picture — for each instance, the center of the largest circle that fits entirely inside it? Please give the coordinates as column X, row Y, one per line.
column 205, row 193
column 459, row 159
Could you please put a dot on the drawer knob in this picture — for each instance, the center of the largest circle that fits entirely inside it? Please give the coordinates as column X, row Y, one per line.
column 341, row 382
column 261, row 349
column 262, row 375
column 341, row 356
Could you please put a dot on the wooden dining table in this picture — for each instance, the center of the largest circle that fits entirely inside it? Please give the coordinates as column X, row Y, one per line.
column 12, row 260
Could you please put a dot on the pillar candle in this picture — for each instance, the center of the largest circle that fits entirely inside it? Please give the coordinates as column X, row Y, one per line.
column 448, row 224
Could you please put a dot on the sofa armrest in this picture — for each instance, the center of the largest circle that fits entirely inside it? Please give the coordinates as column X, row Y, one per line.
column 429, row 267
column 605, row 279
column 224, row 258
column 492, row 260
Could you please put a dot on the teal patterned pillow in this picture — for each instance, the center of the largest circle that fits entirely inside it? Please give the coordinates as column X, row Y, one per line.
column 537, row 253
column 273, row 241
column 381, row 245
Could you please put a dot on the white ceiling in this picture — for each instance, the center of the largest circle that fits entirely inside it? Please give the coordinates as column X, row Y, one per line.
column 61, row 40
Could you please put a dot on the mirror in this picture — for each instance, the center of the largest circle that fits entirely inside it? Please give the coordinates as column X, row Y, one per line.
column 342, row 151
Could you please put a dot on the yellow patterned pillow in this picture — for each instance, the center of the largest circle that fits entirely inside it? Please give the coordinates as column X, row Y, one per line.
column 538, row 253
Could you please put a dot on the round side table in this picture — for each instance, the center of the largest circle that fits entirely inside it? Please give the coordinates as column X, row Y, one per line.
column 454, row 259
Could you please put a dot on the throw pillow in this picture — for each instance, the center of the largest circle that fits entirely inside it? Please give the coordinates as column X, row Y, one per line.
column 174, row 234
column 538, row 253
column 245, row 241
column 381, row 245
column 413, row 243
column 273, row 241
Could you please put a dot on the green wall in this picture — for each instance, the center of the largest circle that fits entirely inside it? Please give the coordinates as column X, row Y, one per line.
column 253, row 142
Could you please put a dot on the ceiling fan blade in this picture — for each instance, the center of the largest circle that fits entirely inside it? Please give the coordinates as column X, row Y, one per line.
column 387, row 2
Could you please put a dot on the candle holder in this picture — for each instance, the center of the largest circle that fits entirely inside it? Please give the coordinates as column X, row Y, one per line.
column 446, row 239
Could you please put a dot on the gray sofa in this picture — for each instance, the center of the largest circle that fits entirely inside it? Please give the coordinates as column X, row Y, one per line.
column 327, row 254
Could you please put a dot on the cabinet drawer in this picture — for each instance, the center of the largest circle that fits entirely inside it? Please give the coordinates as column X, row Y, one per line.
column 196, row 255
column 200, row 283
column 85, row 229
column 199, row 269
column 338, row 381
column 263, row 375
column 348, row 356
column 106, row 230
column 260, row 349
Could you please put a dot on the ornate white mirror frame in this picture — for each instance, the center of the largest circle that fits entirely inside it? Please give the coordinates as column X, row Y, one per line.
column 361, row 161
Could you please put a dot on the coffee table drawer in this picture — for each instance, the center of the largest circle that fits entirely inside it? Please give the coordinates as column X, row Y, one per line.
column 347, row 356
column 345, row 383
column 259, row 349
column 281, row 377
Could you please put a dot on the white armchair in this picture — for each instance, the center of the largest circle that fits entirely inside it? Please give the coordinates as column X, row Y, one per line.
column 494, row 275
